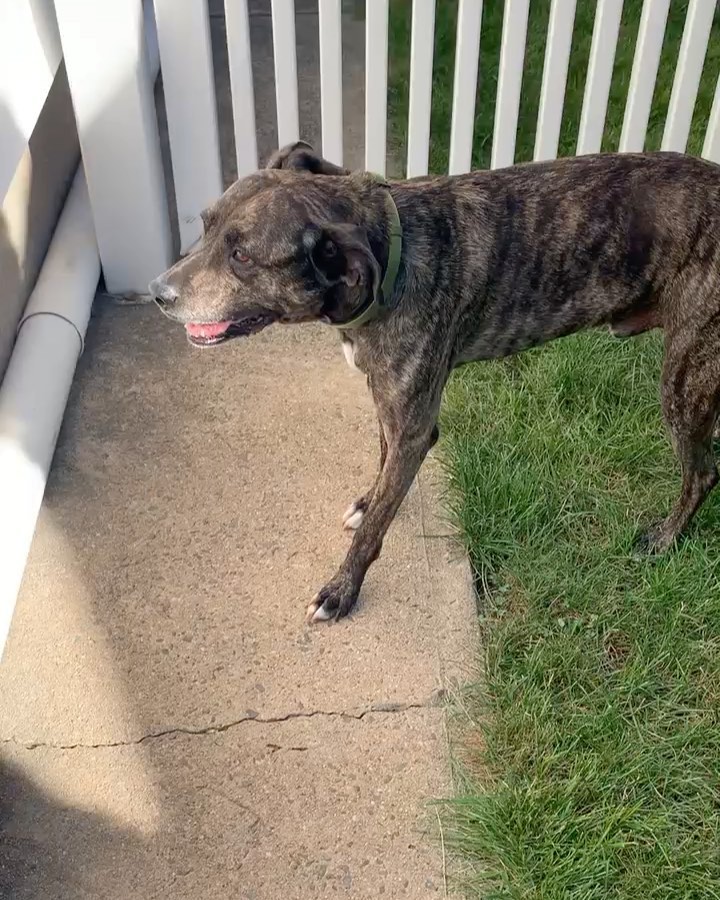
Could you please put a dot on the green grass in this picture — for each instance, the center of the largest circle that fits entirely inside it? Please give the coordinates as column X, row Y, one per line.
column 599, row 707
column 591, row 766
column 491, row 33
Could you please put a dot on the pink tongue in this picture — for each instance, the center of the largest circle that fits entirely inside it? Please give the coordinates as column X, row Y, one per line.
column 207, row 330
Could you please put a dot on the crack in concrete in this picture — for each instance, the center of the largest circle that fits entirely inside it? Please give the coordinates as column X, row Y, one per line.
column 251, row 716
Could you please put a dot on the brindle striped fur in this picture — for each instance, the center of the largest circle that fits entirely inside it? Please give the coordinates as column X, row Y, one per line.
column 493, row 262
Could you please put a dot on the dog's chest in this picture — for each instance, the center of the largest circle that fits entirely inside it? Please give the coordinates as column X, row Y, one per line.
column 349, row 352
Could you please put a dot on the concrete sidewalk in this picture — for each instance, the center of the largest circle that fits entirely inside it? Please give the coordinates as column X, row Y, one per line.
column 171, row 728
column 168, row 725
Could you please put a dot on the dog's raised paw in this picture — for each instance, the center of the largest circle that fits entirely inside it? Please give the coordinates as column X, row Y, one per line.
column 353, row 515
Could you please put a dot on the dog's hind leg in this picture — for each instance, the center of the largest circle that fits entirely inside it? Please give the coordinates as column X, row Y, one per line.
column 690, row 398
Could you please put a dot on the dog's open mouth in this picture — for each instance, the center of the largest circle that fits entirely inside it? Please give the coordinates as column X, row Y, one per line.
column 208, row 334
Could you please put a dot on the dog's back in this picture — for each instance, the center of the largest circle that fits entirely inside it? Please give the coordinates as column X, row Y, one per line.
column 544, row 249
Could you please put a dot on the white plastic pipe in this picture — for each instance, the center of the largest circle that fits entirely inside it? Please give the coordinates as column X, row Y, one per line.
column 34, row 392
column 35, row 389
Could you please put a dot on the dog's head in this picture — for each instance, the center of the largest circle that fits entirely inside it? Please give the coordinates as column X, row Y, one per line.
column 278, row 246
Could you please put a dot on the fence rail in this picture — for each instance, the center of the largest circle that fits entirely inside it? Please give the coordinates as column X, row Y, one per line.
column 129, row 209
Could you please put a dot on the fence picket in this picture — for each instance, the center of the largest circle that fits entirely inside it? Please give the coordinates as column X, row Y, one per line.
column 185, row 56
column 467, row 57
column 512, row 55
column 687, row 74
column 237, row 25
column 376, row 69
column 421, row 60
column 330, row 26
column 644, row 73
column 599, row 76
column 552, row 95
column 711, row 146
column 286, row 82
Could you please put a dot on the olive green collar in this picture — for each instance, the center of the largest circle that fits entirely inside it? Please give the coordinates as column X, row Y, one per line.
column 380, row 299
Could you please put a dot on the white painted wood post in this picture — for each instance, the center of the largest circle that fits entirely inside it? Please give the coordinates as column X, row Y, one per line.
column 644, row 73
column 711, row 146
column 330, row 26
column 687, row 74
column 109, row 77
column 555, row 69
column 186, row 59
column 376, row 70
column 599, row 76
column 421, row 61
column 286, row 82
column 237, row 25
column 512, row 56
column 29, row 58
column 467, row 57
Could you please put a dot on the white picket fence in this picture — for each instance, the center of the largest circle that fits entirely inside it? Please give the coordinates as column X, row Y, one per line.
column 109, row 76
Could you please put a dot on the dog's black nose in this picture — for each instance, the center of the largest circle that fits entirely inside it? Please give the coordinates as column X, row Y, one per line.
column 162, row 293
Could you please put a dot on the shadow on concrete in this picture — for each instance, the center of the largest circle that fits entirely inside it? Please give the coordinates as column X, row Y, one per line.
column 40, row 837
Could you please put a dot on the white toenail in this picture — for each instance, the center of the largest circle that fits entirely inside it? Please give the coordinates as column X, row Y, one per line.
column 311, row 610
column 321, row 615
column 353, row 521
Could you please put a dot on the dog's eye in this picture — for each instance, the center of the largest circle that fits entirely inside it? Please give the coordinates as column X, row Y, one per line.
column 240, row 257
column 329, row 249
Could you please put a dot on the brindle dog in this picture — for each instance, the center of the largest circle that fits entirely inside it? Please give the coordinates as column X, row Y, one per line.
column 492, row 262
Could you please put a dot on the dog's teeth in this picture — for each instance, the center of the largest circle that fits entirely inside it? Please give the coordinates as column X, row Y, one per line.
column 352, row 522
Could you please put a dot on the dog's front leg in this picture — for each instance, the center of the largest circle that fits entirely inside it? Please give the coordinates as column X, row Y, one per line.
column 353, row 515
column 405, row 453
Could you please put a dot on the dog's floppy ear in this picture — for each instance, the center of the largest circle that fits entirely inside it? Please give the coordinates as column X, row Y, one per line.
column 344, row 263
column 301, row 157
